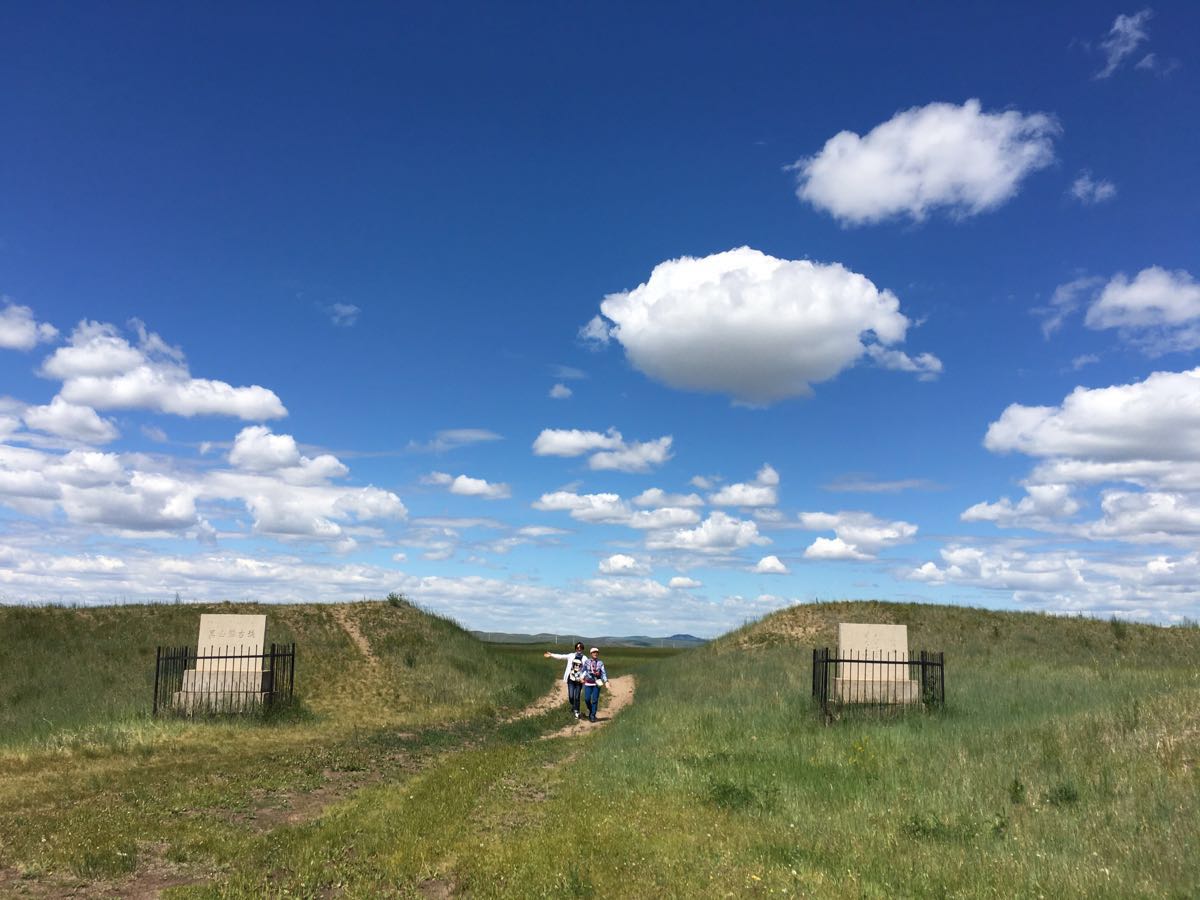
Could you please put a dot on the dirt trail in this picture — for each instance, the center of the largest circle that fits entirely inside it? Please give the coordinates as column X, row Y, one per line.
column 613, row 699
column 342, row 615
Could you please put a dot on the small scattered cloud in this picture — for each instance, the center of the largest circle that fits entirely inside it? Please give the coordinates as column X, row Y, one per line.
column 763, row 491
column 609, row 450
column 657, row 497
column 19, row 330
column 718, row 533
column 560, row 392
column 861, row 484
column 770, row 565
column 683, row 583
column 567, row 373
column 1159, row 310
column 938, row 157
column 1067, row 298
column 1089, row 191
column 154, row 433
column 344, row 315
column 1127, row 34
column 858, row 535
column 466, row 486
column 453, row 438
column 622, row 564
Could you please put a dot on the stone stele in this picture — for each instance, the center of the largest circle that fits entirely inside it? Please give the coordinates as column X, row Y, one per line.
column 226, row 684
column 867, row 682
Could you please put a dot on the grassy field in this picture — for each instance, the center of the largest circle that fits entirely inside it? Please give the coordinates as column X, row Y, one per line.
column 1066, row 764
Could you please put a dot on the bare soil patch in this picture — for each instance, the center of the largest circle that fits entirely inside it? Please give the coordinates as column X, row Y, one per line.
column 342, row 615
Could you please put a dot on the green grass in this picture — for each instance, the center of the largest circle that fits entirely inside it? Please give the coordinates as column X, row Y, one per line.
column 1065, row 764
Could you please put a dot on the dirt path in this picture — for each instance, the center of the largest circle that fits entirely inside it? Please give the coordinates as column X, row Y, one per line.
column 342, row 615
column 613, row 699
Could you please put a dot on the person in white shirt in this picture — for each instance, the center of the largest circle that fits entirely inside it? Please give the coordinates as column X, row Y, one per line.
column 572, row 674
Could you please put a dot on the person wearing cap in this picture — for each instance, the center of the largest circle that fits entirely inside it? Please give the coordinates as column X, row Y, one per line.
column 595, row 676
column 572, row 674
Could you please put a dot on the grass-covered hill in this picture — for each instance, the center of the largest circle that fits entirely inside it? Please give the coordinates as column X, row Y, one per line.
column 974, row 636
column 64, row 669
column 1065, row 764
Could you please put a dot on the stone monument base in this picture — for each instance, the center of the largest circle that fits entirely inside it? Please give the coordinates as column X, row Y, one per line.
column 865, row 690
column 217, row 691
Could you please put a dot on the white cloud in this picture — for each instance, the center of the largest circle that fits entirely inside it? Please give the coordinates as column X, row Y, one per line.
column 762, row 492
column 704, row 482
column 770, row 565
column 940, row 156
column 257, row 449
column 1154, row 419
column 609, row 450
column 622, row 564
column 574, row 442
column 466, row 486
column 622, row 588
column 683, row 583
column 567, row 373
column 101, row 369
column 1064, row 302
column 659, row 497
column 343, row 314
column 1159, row 310
column 1042, row 505
column 593, row 508
column 1089, row 191
column 718, row 533
column 1125, row 36
column 67, row 420
column 560, row 392
column 663, row 517
column 637, row 456
column 19, row 330
column 926, row 366
column 751, row 326
column 833, row 549
column 859, row 535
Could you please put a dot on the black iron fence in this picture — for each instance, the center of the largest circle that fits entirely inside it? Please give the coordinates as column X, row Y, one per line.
column 236, row 679
column 886, row 682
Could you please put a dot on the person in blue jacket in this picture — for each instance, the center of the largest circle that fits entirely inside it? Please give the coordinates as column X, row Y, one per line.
column 572, row 674
column 595, row 676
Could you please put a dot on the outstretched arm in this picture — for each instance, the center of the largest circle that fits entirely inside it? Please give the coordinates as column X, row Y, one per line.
column 549, row 655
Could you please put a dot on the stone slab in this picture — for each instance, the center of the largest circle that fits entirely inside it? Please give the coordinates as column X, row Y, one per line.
column 222, row 633
column 866, row 682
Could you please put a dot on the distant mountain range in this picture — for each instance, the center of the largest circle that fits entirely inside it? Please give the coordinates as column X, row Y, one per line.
column 566, row 640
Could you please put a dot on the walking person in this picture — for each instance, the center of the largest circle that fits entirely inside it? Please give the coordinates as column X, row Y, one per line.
column 572, row 674
column 595, row 676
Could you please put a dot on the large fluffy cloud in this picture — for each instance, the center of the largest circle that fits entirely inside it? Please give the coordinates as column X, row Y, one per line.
column 102, row 369
column 940, row 156
column 751, row 326
column 1154, row 419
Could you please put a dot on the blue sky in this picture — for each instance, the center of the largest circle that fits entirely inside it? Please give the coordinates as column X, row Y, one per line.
column 611, row 319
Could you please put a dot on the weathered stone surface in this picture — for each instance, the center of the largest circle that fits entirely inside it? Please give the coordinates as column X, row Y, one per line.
column 226, row 634
column 867, row 682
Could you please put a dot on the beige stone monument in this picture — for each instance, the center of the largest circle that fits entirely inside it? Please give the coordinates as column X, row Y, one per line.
column 864, row 681
column 230, row 685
